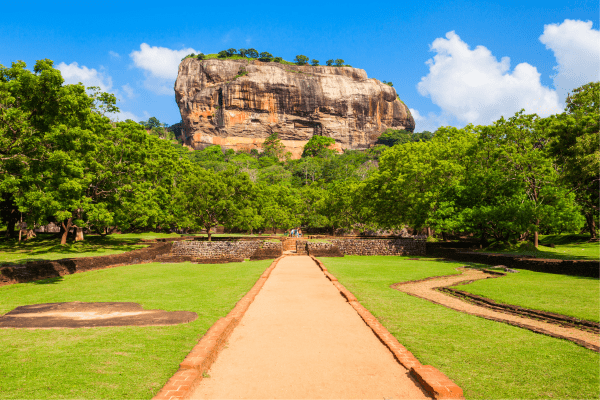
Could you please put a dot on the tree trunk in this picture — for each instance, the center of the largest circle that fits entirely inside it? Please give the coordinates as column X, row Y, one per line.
column 78, row 234
column 428, row 231
column 208, row 233
column 20, row 232
column 591, row 223
column 536, row 234
column 66, row 226
column 444, row 238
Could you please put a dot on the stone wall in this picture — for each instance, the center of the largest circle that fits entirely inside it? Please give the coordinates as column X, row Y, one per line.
column 368, row 247
column 231, row 251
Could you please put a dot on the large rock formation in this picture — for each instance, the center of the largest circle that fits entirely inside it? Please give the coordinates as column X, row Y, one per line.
column 238, row 103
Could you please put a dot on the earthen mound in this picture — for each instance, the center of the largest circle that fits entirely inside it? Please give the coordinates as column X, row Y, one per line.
column 87, row 315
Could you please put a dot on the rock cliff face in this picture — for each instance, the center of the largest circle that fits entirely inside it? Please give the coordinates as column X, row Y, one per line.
column 238, row 103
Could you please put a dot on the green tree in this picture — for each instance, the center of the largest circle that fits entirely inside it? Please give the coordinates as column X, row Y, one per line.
column 277, row 59
column 278, row 207
column 231, row 52
column 223, row 54
column 265, row 57
column 243, row 52
column 252, row 53
column 329, row 62
column 301, row 60
column 339, row 62
column 314, row 62
column 318, row 146
column 576, row 146
column 273, row 147
column 205, row 199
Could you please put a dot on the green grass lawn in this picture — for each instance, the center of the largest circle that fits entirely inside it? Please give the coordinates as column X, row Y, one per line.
column 116, row 362
column 569, row 295
column 568, row 247
column 47, row 247
column 486, row 358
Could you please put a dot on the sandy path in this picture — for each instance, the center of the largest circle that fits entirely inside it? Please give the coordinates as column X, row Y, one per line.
column 425, row 289
column 301, row 340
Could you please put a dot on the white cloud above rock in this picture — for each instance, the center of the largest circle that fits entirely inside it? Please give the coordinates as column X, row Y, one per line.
column 160, row 64
column 472, row 86
column 576, row 46
column 73, row 74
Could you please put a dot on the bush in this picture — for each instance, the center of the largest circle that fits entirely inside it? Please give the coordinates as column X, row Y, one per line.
column 314, row 62
column 301, row 60
column 223, row 54
column 277, row 59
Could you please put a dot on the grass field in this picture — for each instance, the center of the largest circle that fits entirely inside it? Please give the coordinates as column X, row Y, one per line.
column 567, row 247
column 569, row 295
column 486, row 358
column 47, row 247
column 116, row 362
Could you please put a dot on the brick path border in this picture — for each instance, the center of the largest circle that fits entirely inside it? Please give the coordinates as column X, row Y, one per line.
column 199, row 360
column 435, row 383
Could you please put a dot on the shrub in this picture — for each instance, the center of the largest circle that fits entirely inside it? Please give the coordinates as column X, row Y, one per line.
column 278, row 59
column 266, row 57
column 301, row 59
column 314, row 62
column 339, row 62
column 329, row 63
column 223, row 54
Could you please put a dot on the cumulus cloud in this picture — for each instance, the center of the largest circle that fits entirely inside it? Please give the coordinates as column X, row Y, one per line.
column 431, row 121
column 73, row 74
column 576, row 46
column 160, row 65
column 474, row 87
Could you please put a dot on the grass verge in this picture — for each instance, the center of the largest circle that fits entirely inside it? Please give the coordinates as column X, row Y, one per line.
column 486, row 358
column 548, row 292
column 567, row 247
column 116, row 362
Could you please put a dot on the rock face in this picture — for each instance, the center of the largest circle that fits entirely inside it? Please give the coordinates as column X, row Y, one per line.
column 238, row 103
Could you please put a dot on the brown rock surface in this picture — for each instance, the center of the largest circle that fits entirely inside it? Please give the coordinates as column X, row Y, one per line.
column 218, row 106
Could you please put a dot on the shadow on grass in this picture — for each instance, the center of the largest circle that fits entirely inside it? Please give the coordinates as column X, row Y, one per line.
column 50, row 243
column 49, row 281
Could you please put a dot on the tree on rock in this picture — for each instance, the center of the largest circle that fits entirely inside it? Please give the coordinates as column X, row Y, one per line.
column 252, row 53
column 265, row 57
column 329, row 62
column 301, row 60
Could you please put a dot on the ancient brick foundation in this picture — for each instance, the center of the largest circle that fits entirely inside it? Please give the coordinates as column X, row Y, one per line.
column 230, row 251
column 367, row 247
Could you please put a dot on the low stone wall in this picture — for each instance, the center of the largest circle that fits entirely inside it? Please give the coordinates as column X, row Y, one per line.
column 231, row 251
column 321, row 249
column 33, row 271
column 583, row 268
column 367, row 247
column 380, row 247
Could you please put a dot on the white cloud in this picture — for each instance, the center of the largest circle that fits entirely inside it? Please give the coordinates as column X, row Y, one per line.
column 474, row 87
column 160, row 62
column 123, row 115
column 114, row 54
column 431, row 121
column 73, row 74
column 128, row 90
column 161, row 65
column 576, row 46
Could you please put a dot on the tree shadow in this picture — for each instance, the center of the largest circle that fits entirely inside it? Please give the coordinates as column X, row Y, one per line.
column 49, row 281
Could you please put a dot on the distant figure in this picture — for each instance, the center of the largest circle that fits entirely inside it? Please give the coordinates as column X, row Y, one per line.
column 299, row 232
column 293, row 232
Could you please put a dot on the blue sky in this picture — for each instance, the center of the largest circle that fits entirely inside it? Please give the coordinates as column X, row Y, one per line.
column 452, row 63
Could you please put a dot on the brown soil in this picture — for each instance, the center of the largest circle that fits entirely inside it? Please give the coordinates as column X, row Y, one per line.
column 88, row 315
column 300, row 339
column 429, row 289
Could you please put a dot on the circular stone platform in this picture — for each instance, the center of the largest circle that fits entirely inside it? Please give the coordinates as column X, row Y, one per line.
column 86, row 315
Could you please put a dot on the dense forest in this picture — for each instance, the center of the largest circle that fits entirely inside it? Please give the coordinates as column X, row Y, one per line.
column 63, row 160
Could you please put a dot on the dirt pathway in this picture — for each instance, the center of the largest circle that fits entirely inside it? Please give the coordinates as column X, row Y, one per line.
column 425, row 289
column 300, row 339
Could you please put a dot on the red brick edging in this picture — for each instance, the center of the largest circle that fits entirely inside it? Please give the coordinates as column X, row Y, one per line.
column 431, row 379
column 199, row 360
